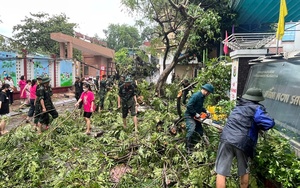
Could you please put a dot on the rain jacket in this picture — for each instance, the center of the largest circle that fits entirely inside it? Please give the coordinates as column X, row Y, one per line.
column 243, row 124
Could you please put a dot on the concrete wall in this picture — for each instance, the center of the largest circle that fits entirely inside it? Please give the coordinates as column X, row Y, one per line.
column 243, row 57
column 289, row 48
column 185, row 71
column 293, row 45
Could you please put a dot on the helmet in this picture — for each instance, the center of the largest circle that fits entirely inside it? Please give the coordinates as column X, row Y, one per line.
column 185, row 81
column 208, row 87
column 128, row 79
column 45, row 80
column 253, row 94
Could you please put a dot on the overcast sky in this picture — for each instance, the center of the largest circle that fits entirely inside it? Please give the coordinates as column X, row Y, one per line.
column 92, row 16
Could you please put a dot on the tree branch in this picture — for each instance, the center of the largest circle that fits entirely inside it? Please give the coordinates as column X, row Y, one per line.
column 186, row 162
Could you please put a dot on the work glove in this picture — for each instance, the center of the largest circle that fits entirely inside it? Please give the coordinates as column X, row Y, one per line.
column 208, row 114
column 197, row 116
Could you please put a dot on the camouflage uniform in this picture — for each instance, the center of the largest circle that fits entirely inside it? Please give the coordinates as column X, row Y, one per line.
column 44, row 93
column 121, row 81
column 127, row 100
column 109, row 83
column 102, row 92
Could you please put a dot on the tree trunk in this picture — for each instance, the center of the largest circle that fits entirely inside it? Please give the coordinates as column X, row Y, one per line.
column 163, row 78
column 164, row 75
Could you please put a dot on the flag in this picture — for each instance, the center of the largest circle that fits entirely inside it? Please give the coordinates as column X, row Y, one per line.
column 225, row 48
column 282, row 13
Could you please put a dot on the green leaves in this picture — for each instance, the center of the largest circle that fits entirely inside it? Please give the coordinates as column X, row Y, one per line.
column 280, row 162
column 219, row 75
column 122, row 36
column 65, row 157
column 34, row 33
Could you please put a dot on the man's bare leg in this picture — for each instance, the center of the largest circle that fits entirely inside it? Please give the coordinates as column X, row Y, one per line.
column 221, row 181
column 39, row 128
column 244, row 182
column 135, row 123
column 88, row 125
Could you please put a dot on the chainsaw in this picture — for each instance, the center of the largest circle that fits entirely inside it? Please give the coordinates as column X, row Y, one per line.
column 204, row 116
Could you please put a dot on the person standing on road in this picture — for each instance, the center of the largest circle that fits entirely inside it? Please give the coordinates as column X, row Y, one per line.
column 4, row 108
column 193, row 111
column 10, row 92
column 102, row 92
column 127, row 98
column 110, row 82
column 87, row 98
column 78, row 89
column 27, row 91
column 96, row 82
column 239, row 136
column 32, row 96
column 44, row 105
column 91, row 82
column 121, row 81
column 22, row 83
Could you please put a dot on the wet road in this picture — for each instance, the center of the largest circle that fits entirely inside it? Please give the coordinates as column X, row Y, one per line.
column 62, row 103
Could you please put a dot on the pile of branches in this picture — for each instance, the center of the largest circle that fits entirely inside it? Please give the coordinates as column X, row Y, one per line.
column 64, row 156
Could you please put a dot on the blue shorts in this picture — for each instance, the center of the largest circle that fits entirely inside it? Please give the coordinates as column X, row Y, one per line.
column 226, row 153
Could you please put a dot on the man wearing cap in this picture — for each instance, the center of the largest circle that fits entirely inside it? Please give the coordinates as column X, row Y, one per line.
column 239, row 136
column 193, row 110
column 39, row 80
column 44, row 105
column 127, row 97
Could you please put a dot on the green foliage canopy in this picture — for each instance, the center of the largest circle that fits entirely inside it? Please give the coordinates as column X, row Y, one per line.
column 218, row 74
column 122, row 36
column 34, row 33
column 135, row 62
column 175, row 24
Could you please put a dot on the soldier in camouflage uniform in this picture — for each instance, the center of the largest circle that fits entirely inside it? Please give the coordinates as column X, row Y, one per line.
column 102, row 92
column 127, row 97
column 121, row 81
column 78, row 89
column 110, row 82
column 44, row 105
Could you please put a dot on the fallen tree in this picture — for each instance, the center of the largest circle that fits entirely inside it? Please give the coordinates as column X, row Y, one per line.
column 65, row 157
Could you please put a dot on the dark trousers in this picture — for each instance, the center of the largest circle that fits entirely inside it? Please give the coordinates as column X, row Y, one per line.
column 77, row 97
column 46, row 117
column 10, row 96
column 31, row 109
